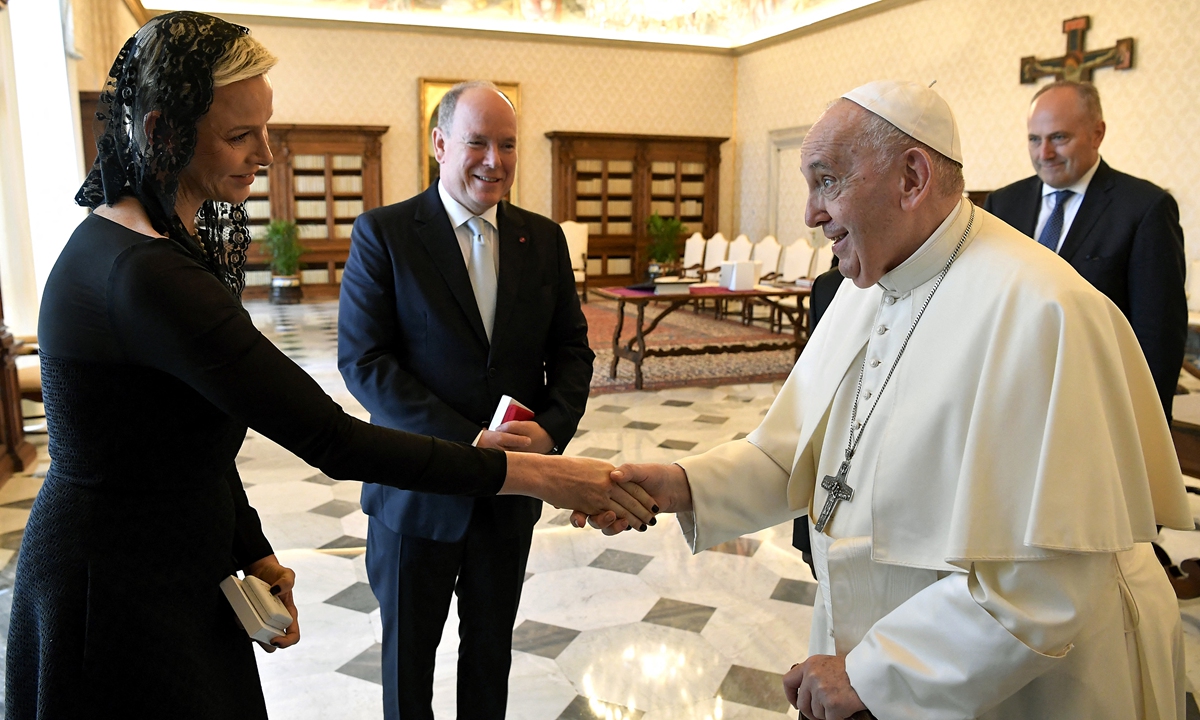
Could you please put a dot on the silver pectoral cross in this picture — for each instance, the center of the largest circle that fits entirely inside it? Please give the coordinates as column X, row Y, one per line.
column 838, row 490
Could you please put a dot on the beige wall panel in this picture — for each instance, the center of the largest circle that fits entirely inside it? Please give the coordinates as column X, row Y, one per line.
column 367, row 75
column 973, row 49
column 101, row 29
column 793, row 194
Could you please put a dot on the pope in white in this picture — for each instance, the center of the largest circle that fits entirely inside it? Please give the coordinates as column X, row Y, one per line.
column 993, row 442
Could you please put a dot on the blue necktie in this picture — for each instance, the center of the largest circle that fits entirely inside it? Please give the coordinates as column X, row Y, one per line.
column 1053, row 230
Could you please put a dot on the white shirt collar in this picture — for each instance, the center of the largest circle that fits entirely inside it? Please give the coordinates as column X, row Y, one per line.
column 1079, row 188
column 931, row 257
column 459, row 215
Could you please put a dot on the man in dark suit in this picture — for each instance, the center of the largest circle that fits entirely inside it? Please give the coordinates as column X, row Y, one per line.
column 450, row 300
column 1121, row 233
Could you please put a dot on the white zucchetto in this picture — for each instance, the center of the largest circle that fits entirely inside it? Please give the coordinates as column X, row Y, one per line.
column 916, row 110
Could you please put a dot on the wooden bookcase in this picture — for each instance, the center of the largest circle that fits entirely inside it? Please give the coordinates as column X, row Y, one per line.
column 323, row 177
column 614, row 183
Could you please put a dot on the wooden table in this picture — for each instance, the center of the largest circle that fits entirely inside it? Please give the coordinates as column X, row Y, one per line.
column 642, row 298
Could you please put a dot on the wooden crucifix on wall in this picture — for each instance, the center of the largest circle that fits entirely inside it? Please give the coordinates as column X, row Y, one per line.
column 1078, row 63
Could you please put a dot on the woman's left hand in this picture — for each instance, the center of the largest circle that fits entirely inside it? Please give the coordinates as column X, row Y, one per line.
column 281, row 580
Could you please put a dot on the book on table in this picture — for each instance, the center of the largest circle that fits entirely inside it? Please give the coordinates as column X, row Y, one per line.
column 798, row 284
column 673, row 285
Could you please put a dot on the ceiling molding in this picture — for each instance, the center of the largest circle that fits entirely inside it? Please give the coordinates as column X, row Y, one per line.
column 821, row 25
column 250, row 13
column 501, row 35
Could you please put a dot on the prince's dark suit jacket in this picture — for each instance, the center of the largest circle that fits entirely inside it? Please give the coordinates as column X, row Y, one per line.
column 412, row 347
column 1126, row 241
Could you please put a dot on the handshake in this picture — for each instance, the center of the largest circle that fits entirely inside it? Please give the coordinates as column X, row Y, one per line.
column 612, row 499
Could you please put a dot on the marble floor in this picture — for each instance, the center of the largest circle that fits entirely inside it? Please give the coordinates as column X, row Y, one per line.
column 629, row 627
column 625, row 627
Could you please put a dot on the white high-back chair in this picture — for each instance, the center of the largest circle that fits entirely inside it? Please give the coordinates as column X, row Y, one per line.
column 693, row 255
column 822, row 259
column 797, row 261
column 740, row 249
column 577, row 244
column 715, row 251
column 767, row 252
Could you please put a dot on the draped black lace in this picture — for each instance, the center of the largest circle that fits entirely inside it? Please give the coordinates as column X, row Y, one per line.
column 167, row 67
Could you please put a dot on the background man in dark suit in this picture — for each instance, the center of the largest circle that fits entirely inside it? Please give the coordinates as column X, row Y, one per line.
column 449, row 300
column 1121, row 233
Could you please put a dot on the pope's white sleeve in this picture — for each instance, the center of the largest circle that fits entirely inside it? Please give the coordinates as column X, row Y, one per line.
column 736, row 489
column 967, row 642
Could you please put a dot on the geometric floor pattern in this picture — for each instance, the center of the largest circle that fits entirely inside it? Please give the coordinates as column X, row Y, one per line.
column 630, row 627
column 626, row 627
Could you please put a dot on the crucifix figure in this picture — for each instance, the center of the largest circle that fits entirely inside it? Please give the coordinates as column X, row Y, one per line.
column 1078, row 64
column 838, row 490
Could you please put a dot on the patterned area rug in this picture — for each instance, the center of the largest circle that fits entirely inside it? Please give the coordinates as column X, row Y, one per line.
column 307, row 333
column 682, row 328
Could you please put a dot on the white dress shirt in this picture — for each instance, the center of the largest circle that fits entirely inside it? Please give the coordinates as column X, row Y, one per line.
column 459, row 216
column 1069, row 211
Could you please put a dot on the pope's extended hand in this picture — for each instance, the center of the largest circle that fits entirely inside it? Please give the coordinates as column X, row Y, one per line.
column 666, row 484
column 820, row 689
column 581, row 484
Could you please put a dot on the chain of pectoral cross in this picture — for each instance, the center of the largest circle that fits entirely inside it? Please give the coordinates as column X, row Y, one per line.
column 836, row 485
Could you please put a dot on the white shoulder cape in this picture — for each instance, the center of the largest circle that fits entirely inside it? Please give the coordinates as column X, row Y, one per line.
column 1026, row 420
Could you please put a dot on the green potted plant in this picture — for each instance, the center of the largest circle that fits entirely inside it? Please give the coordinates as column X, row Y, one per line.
column 664, row 241
column 282, row 242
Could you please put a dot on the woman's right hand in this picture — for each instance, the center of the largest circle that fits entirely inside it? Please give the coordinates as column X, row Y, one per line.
column 580, row 484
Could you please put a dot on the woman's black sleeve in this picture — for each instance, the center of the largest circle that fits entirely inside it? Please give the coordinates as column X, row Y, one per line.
column 249, row 542
column 170, row 313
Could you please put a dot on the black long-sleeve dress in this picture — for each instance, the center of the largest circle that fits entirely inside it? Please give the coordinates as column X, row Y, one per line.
column 151, row 373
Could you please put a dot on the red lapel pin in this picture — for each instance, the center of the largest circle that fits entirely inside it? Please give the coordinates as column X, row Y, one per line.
column 522, row 239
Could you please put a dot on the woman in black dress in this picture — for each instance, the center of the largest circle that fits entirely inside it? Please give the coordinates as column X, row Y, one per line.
column 151, row 373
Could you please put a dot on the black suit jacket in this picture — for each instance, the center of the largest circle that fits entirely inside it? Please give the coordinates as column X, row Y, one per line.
column 1126, row 241
column 413, row 350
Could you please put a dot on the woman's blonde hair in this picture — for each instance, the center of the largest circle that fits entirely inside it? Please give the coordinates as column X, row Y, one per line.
column 245, row 58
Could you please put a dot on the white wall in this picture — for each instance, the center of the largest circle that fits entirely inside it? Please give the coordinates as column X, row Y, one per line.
column 47, row 106
column 973, row 49
column 17, row 280
column 369, row 75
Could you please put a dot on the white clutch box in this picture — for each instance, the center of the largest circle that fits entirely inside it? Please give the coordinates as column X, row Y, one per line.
column 740, row 275
column 261, row 613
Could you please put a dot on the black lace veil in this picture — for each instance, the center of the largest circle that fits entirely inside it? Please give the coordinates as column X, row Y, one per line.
column 167, row 66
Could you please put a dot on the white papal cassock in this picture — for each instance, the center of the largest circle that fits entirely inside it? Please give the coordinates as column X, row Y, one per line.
column 995, row 560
